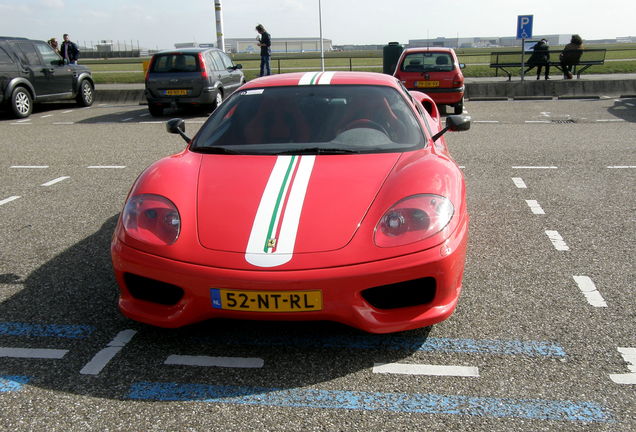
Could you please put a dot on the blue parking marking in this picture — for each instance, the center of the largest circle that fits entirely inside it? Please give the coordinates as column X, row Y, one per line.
column 45, row 330
column 9, row 383
column 431, row 344
column 535, row 409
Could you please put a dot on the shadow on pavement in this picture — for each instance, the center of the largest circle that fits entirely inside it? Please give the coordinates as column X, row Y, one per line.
column 624, row 109
column 77, row 288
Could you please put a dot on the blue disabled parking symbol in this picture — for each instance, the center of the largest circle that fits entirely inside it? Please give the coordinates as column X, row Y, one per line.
column 524, row 26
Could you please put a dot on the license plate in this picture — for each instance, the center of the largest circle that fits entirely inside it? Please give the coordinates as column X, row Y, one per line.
column 426, row 84
column 175, row 92
column 266, row 301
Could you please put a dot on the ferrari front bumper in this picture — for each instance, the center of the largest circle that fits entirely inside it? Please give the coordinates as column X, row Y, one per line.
column 342, row 288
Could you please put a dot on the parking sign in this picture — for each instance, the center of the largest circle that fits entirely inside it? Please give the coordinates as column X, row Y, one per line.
column 524, row 26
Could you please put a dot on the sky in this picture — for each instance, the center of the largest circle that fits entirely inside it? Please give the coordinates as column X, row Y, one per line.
column 161, row 23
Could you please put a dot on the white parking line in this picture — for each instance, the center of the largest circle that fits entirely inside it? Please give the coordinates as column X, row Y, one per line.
column 23, row 120
column 67, row 111
column 589, row 290
column 622, row 166
column 535, row 207
column 57, row 180
column 224, row 362
column 47, row 115
column 8, row 200
column 29, row 166
column 144, row 115
column 432, row 370
column 609, row 120
column 106, row 166
column 629, row 354
column 534, row 167
column 101, row 359
column 127, row 119
column 557, row 241
column 537, row 121
column 518, row 181
column 39, row 353
column 486, row 121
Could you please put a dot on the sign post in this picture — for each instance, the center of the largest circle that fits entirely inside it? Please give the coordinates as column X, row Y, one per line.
column 524, row 31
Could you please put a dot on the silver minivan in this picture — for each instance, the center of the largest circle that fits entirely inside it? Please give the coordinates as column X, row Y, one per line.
column 200, row 77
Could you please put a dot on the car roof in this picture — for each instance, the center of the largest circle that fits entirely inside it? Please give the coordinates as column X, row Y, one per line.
column 194, row 50
column 327, row 77
column 15, row 38
column 428, row 49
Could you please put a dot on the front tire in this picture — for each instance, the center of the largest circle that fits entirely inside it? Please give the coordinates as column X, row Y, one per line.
column 86, row 94
column 21, row 102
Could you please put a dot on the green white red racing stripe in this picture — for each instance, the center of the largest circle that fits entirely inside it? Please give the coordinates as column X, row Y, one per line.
column 319, row 78
column 273, row 234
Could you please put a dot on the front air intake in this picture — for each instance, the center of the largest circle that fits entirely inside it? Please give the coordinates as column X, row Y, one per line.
column 151, row 290
column 403, row 294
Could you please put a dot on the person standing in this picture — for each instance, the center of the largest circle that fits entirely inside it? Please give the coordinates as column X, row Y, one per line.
column 265, row 42
column 571, row 55
column 540, row 57
column 69, row 51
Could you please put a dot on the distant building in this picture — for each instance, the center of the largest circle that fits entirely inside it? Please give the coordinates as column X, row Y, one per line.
column 511, row 41
column 193, row 45
column 279, row 45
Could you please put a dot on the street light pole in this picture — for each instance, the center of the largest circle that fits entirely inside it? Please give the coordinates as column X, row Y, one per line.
column 322, row 50
column 220, row 39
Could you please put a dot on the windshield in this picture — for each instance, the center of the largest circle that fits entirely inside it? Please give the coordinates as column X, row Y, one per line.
column 319, row 119
column 428, row 62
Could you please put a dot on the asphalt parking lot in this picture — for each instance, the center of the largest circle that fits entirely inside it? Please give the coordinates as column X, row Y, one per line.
column 544, row 337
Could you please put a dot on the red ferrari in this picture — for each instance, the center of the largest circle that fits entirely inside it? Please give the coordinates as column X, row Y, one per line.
column 304, row 196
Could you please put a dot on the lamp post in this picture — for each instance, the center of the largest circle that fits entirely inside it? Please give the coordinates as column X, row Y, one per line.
column 220, row 40
column 322, row 50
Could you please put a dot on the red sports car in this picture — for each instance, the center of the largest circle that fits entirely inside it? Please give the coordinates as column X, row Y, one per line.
column 305, row 196
column 435, row 71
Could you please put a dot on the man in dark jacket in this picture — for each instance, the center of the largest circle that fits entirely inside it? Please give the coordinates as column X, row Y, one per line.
column 540, row 57
column 69, row 50
column 265, row 42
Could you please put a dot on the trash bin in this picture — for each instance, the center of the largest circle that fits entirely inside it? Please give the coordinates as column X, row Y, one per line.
column 390, row 56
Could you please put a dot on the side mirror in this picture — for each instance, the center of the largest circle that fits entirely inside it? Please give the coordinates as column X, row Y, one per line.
column 177, row 126
column 462, row 65
column 455, row 123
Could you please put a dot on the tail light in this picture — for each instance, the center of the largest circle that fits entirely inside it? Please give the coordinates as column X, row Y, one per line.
column 204, row 70
column 457, row 81
column 152, row 60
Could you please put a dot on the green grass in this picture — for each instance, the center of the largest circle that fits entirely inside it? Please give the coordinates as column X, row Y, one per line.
column 620, row 58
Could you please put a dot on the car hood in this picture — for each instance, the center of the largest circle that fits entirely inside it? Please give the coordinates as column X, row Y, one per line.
column 276, row 206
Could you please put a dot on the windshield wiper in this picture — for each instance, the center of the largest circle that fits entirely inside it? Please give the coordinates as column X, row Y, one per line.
column 317, row 150
column 215, row 150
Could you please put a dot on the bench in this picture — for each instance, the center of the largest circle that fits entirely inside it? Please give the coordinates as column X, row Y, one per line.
column 512, row 59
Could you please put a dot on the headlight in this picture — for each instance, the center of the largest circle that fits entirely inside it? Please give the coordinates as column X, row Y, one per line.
column 152, row 219
column 413, row 219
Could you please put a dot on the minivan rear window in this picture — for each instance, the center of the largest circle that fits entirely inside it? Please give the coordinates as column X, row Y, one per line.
column 428, row 62
column 169, row 63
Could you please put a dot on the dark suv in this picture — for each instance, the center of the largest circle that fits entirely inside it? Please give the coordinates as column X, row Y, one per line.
column 192, row 76
column 31, row 71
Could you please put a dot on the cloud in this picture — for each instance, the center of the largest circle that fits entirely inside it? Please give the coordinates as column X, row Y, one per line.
column 53, row 4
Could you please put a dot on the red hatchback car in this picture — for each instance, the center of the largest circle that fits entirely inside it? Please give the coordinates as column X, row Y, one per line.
column 434, row 71
column 305, row 196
